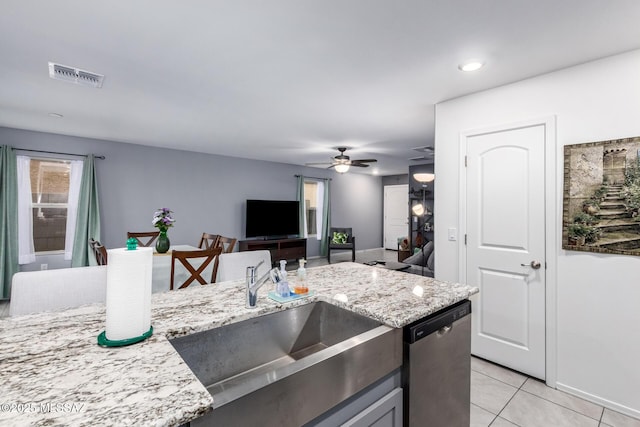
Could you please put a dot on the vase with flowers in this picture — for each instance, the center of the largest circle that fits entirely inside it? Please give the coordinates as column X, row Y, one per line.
column 162, row 220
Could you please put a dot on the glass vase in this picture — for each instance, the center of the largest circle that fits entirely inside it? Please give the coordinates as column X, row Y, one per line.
column 163, row 243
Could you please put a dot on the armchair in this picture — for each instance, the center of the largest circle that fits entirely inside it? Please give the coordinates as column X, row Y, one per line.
column 342, row 239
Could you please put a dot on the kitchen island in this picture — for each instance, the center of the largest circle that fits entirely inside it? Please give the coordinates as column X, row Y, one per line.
column 54, row 373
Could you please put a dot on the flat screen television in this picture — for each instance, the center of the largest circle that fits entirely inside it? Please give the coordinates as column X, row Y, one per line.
column 272, row 218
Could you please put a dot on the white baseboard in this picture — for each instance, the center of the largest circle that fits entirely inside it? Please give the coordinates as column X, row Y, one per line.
column 599, row 400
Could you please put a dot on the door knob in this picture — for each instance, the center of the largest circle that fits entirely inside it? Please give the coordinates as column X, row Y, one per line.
column 534, row 264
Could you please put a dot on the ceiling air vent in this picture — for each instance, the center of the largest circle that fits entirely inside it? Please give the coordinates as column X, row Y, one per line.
column 75, row 75
column 427, row 153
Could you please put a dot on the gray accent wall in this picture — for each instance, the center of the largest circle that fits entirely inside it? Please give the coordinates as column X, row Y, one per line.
column 206, row 192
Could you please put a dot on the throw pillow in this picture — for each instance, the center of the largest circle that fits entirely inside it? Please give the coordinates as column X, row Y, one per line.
column 339, row 238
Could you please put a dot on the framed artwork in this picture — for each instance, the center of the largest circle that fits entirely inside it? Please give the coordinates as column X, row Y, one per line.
column 602, row 197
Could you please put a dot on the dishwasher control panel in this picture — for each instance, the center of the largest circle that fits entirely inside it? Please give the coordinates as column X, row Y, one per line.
column 436, row 321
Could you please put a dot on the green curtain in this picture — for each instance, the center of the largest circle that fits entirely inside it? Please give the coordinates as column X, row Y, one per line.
column 8, row 219
column 88, row 219
column 301, row 208
column 326, row 218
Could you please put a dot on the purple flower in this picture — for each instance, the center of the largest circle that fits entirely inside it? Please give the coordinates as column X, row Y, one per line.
column 162, row 219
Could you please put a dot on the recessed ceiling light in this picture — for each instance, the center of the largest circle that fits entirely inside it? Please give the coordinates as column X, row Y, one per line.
column 56, row 115
column 471, row 65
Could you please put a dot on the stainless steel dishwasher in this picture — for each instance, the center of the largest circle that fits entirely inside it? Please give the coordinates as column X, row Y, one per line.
column 436, row 374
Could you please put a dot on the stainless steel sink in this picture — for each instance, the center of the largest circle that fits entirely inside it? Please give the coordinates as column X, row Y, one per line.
column 288, row 367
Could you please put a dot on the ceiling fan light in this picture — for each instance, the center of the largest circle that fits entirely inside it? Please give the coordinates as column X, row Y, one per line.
column 424, row 177
column 342, row 168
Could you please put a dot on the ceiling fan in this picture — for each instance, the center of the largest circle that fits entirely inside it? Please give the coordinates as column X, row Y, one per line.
column 342, row 162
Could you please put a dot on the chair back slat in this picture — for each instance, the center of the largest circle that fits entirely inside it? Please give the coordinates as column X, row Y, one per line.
column 186, row 258
column 144, row 238
column 99, row 251
column 208, row 241
column 226, row 243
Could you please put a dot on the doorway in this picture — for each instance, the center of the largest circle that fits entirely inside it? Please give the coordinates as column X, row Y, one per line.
column 506, row 206
column 396, row 214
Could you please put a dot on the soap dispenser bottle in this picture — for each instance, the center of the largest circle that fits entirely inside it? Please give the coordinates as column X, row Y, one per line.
column 301, row 286
column 282, row 286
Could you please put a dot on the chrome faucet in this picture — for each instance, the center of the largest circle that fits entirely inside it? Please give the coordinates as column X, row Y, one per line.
column 253, row 285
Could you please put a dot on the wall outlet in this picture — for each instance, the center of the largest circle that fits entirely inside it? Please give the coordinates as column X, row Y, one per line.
column 452, row 234
column 44, row 266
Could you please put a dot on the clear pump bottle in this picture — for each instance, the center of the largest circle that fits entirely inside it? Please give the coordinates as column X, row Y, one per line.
column 301, row 285
column 282, row 286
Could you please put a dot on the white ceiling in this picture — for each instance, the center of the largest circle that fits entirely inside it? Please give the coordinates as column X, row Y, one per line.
column 285, row 80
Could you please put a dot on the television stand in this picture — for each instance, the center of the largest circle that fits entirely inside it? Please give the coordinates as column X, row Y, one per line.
column 288, row 249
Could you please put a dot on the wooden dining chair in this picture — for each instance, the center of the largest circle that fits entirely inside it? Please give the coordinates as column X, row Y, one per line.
column 226, row 243
column 208, row 241
column 148, row 236
column 186, row 258
column 99, row 251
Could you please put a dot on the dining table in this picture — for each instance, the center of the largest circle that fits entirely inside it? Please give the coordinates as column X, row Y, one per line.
column 161, row 272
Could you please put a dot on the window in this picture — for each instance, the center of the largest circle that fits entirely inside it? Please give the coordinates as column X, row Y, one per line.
column 311, row 207
column 49, row 199
column 313, row 203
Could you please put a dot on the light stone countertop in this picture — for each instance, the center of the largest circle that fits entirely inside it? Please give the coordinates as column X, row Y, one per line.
column 54, row 373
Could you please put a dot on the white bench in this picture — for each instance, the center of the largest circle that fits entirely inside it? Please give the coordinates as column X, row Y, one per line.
column 50, row 290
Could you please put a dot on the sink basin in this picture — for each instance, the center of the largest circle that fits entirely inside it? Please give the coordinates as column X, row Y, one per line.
column 277, row 356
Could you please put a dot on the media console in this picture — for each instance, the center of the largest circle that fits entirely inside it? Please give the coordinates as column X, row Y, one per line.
column 280, row 248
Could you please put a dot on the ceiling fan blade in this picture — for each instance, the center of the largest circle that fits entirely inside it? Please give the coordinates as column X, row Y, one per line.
column 364, row 160
column 318, row 164
column 359, row 165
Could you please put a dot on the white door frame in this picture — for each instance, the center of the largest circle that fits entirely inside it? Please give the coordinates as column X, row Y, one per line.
column 552, row 218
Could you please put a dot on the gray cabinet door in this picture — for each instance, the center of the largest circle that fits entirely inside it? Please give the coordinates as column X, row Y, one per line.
column 386, row 412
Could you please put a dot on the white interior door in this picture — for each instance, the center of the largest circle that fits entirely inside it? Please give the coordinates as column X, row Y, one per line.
column 396, row 214
column 506, row 246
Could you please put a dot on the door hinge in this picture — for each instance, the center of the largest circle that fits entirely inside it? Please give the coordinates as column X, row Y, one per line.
column 465, row 161
column 465, row 239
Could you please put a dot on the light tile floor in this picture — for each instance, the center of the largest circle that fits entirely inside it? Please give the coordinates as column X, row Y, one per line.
column 501, row 397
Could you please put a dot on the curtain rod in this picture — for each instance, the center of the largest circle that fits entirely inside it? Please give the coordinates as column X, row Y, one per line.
column 57, row 152
column 312, row 177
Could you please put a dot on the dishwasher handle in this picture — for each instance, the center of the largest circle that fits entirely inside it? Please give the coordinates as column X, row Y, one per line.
column 445, row 330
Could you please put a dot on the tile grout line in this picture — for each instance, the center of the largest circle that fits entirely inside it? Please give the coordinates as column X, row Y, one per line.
column 601, row 417
column 507, row 404
column 494, row 415
column 493, row 378
column 562, row 406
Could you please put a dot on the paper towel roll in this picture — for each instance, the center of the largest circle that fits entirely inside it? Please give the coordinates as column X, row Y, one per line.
column 128, row 292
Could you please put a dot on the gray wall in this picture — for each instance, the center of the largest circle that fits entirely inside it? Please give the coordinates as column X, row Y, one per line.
column 206, row 192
